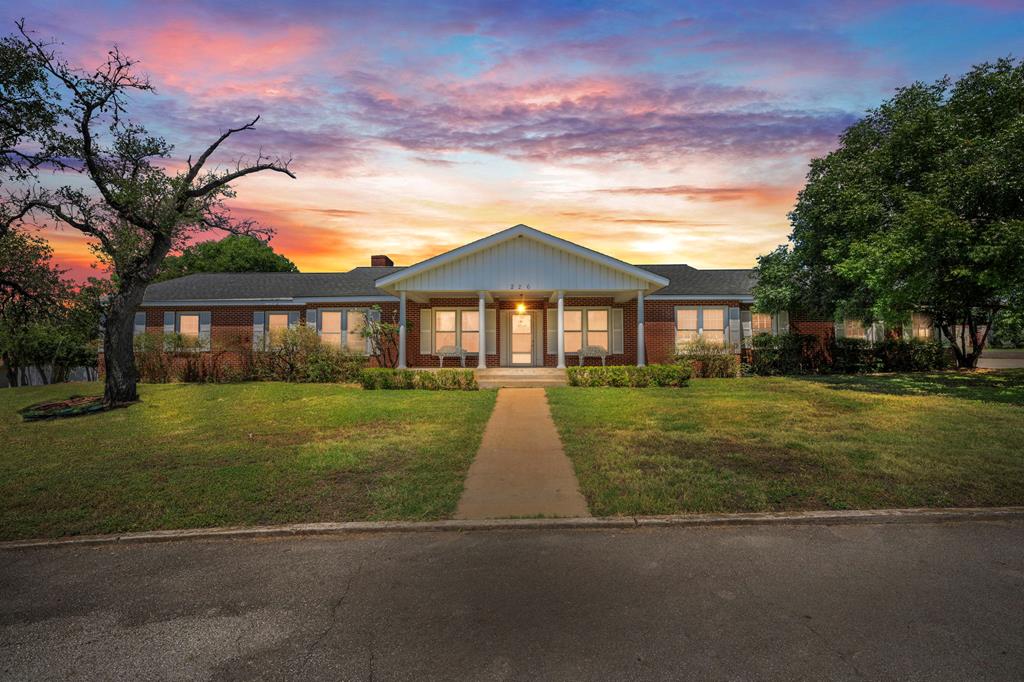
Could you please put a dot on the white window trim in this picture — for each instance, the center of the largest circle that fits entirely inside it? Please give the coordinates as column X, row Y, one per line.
column 700, row 321
column 584, row 327
column 344, row 326
column 458, row 310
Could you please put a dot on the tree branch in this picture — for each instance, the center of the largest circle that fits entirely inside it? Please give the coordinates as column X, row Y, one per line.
column 229, row 177
column 193, row 171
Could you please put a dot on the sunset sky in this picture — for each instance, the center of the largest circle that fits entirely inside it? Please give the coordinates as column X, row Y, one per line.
column 654, row 132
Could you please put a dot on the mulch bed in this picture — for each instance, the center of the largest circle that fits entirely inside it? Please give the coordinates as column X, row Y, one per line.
column 74, row 406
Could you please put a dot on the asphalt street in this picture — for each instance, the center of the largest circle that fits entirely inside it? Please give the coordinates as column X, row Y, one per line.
column 907, row 601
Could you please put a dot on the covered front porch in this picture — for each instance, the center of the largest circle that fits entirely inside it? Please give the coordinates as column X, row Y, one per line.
column 521, row 298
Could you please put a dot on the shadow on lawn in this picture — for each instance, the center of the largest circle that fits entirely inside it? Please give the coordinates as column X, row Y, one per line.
column 996, row 386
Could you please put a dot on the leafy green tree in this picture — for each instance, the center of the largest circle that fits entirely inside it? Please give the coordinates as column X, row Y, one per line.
column 234, row 253
column 133, row 208
column 920, row 209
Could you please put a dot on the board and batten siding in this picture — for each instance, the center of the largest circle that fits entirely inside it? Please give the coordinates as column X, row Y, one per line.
column 521, row 264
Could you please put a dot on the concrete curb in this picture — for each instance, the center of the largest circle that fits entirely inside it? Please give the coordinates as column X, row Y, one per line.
column 872, row 516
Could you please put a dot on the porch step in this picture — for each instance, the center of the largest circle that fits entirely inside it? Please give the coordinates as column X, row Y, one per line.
column 520, row 377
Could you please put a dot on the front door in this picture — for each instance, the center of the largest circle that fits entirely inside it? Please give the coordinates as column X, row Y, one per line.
column 522, row 339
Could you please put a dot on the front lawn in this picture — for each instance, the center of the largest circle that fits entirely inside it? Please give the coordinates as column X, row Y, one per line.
column 237, row 454
column 760, row 444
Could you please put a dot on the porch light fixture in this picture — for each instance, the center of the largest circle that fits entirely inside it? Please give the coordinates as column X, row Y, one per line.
column 520, row 307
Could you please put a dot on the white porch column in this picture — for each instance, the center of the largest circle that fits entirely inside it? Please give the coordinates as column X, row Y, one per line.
column 640, row 358
column 482, row 334
column 401, row 330
column 561, row 330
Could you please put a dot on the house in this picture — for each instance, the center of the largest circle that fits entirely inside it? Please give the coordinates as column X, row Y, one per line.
column 518, row 298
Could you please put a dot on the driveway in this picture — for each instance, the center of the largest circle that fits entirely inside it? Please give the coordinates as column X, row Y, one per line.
column 939, row 601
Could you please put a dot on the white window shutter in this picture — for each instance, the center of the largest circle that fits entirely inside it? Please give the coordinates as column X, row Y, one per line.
column 168, row 328
column 372, row 315
column 258, row 325
column 490, row 319
column 139, row 326
column 426, row 329
column 746, row 325
column 840, row 328
column 616, row 330
column 552, row 331
column 783, row 317
column 311, row 320
column 204, row 330
column 734, row 327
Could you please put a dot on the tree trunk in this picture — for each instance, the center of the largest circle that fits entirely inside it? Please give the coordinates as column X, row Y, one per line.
column 120, row 382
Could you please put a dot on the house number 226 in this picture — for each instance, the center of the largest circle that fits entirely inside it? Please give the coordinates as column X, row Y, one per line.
column 514, row 286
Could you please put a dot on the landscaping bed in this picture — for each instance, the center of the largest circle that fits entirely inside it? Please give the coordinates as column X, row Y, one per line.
column 761, row 444
column 191, row 455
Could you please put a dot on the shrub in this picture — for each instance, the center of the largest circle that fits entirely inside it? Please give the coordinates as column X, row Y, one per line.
column 629, row 376
column 298, row 355
column 789, row 354
column 708, row 360
column 809, row 354
column 384, row 378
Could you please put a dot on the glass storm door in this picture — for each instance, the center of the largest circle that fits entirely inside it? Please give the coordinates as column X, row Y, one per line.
column 522, row 339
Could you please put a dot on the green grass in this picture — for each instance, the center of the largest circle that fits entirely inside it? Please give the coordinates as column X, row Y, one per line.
column 760, row 444
column 238, row 454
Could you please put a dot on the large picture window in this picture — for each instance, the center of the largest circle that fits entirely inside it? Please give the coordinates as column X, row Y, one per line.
column 343, row 329
column 457, row 328
column 585, row 328
column 705, row 322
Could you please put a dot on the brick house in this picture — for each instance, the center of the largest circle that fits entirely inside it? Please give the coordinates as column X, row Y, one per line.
column 518, row 298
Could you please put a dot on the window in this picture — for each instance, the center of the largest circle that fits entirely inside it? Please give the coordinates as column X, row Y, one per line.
column 585, row 327
column 445, row 329
column 330, row 327
column 854, row 329
column 471, row 331
column 686, row 325
column 573, row 327
column 713, row 326
column 921, row 326
column 276, row 324
column 760, row 323
column 188, row 325
column 597, row 328
column 706, row 322
column 354, row 340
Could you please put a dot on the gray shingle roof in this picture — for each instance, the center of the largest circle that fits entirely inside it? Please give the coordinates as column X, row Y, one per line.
column 687, row 281
column 269, row 285
column 683, row 281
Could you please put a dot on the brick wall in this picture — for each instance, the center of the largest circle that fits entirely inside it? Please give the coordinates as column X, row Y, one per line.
column 660, row 325
column 823, row 329
column 233, row 325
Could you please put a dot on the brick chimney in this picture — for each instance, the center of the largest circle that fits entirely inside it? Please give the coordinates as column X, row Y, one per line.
column 381, row 262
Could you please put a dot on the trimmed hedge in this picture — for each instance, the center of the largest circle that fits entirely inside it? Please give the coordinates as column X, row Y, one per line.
column 809, row 354
column 630, row 376
column 708, row 360
column 383, row 378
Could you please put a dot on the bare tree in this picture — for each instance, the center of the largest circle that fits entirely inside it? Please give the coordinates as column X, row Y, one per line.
column 136, row 210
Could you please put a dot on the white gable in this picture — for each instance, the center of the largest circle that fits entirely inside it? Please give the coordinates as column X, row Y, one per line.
column 522, row 259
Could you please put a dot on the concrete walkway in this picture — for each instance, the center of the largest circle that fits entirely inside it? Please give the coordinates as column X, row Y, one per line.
column 521, row 469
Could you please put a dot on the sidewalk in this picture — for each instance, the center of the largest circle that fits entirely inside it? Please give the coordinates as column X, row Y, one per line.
column 521, row 469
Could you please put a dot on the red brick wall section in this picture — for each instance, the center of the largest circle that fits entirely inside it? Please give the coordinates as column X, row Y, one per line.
column 660, row 326
column 823, row 329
